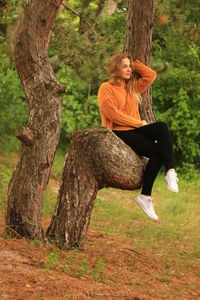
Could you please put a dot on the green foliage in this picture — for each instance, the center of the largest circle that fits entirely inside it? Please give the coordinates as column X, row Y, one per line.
column 12, row 11
column 5, row 174
column 66, row 268
column 189, row 172
column 58, row 162
column 52, row 260
column 8, row 143
column 79, row 110
column 176, row 91
column 88, row 52
column 182, row 113
column 49, row 203
column 83, row 58
column 12, row 100
column 83, row 268
column 80, row 49
column 98, row 269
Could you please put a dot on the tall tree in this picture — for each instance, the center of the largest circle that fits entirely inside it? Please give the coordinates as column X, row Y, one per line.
column 97, row 158
column 138, row 42
column 40, row 137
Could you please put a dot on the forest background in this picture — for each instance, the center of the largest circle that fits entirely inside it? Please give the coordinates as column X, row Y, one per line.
column 126, row 255
column 84, row 36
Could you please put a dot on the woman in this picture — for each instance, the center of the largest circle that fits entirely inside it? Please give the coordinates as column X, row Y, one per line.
column 118, row 104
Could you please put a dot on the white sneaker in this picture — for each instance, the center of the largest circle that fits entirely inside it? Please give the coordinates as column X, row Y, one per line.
column 145, row 202
column 172, row 181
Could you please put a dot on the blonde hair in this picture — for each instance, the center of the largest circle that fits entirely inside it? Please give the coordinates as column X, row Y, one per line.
column 115, row 79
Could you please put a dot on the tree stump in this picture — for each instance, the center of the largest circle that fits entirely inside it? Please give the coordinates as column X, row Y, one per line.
column 97, row 158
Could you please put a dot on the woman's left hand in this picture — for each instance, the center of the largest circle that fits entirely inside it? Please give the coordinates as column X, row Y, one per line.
column 144, row 122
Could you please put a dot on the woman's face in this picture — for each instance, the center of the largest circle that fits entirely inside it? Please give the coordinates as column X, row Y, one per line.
column 125, row 69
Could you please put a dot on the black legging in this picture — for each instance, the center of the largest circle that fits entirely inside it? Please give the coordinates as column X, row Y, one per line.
column 153, row 141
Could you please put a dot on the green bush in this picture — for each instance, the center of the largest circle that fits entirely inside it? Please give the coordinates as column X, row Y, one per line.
column 181, row 111
column 176, row 92
column 79, row 111
column 14, row 109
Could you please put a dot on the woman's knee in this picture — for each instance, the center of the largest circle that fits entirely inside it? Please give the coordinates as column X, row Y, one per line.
column 162, row 126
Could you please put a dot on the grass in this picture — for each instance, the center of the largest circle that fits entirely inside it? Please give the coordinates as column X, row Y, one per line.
column 58, row 163
column 53, row 187
column 175, row 239
column 52, row 260
column 6, row 166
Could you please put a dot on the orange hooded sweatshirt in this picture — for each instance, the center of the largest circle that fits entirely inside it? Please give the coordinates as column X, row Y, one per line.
column 118, row 109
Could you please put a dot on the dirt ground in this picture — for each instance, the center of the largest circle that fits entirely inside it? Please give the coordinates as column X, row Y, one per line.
column 128, row 273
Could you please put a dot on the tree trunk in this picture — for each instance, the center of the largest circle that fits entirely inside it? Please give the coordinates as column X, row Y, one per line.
column 39, row 139
column 97, row 158
column 138, row 42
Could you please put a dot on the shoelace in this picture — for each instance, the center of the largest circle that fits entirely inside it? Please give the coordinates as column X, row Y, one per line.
column 150, row 201
column 173, row 176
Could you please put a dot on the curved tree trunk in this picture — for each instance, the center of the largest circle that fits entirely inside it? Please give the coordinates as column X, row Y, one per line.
column 138, row 42
column 97, row 158
column 40, row 137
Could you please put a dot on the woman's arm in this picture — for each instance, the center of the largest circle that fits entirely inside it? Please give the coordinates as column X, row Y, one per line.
column 108, row 107
column 148, row 76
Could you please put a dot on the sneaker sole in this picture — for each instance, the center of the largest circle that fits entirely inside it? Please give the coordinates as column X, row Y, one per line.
column 172, row 190
column 144, row 210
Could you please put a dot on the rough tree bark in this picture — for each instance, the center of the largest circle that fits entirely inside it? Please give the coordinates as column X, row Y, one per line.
column 97, row 158
column 40, row 137
column 138, row 42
